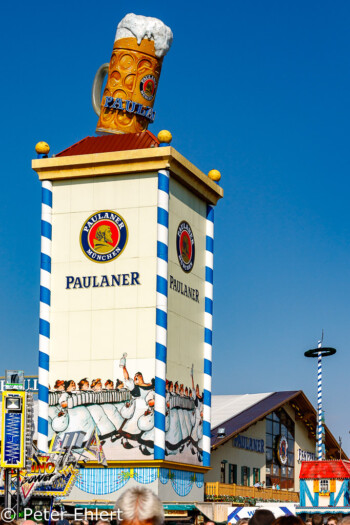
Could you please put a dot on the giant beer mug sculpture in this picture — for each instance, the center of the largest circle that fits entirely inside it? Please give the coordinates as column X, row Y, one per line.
column 133, row 74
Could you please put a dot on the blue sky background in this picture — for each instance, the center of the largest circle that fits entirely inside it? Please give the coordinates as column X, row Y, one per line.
column 258, row 90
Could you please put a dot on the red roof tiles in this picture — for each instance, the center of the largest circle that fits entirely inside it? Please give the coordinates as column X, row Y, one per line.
column 111, row 142
column 335, row 469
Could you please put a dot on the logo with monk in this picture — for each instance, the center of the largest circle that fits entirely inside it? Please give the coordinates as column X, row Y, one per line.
column 103, row 236
column 148, row 87
column 185, row 246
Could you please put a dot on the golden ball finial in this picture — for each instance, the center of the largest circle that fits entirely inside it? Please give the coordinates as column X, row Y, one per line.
column 214, row 175
column 165, row 136
column 42, row 148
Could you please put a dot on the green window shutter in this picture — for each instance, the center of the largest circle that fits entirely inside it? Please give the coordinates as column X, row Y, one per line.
column 248, row 476
column 235, row 474
column 242, row 475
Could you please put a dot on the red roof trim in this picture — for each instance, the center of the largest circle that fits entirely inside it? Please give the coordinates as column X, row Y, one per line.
column 111, row 142
column 330, row 469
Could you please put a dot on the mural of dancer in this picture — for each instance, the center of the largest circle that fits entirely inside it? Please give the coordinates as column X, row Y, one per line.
column 122, row 411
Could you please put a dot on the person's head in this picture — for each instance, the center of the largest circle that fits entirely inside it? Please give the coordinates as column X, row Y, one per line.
column 317, row 519
column 243, row 521
column 140, row 506
column 83, row 384
column 70, row 385
column 345, row 520
column 103, row 233
column 288, row 520
column 332, row 520
column 262, row 517
column 308, row 521
column 109, row 384
column 59, row 385
column 138, row 378
column 96, row 385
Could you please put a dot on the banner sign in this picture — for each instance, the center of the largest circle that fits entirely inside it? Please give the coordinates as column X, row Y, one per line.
column 50, row 475
column 12, row 430
column 47, row 477
column 30, row 383
column 237, row 513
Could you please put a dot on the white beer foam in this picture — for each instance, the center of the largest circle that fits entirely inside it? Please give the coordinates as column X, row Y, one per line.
column 142, row 27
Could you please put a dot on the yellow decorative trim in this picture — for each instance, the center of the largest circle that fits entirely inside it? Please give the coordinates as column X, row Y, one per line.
column 152, row 464
column 128, row 162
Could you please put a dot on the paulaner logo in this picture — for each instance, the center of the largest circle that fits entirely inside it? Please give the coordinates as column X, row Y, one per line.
column 185, row 246
column 103, row 236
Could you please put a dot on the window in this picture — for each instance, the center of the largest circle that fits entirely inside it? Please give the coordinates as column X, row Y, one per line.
column 324, row 486
column 269, row 426
column 232, row 474
column 256, row 475
column 279, row 424
column 245, row 475
column 223, row 472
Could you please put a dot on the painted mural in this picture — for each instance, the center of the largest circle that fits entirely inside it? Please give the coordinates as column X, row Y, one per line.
column 122, row 411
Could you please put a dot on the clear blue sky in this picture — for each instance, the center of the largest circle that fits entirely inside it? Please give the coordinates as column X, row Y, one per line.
column 258, row 90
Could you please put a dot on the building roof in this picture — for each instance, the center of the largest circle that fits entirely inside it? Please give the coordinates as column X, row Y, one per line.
column 222, row 406
column 241, row 413
column 335, row 469
column 111, row 142
column 237, row 413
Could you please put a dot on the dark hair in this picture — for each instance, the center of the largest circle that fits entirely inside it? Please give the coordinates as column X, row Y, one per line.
column 82, row 382
column 288, row 520
column 317, row 519
column 67, row 383
column 262, row 517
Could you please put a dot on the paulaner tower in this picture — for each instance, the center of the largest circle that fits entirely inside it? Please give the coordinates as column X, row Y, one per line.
column 126, row 296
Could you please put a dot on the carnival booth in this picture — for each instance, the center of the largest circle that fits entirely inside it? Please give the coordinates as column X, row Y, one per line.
column 127, row 290
column 324, row 487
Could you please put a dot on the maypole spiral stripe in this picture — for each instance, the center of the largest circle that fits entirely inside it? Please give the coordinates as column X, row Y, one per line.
column 161, row 312
column 208, row 333
column 44, row 320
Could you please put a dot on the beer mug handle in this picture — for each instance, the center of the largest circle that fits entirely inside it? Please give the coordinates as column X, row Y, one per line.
column 97, row 88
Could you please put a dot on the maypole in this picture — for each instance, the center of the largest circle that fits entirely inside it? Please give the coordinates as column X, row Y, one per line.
column 320, row 352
